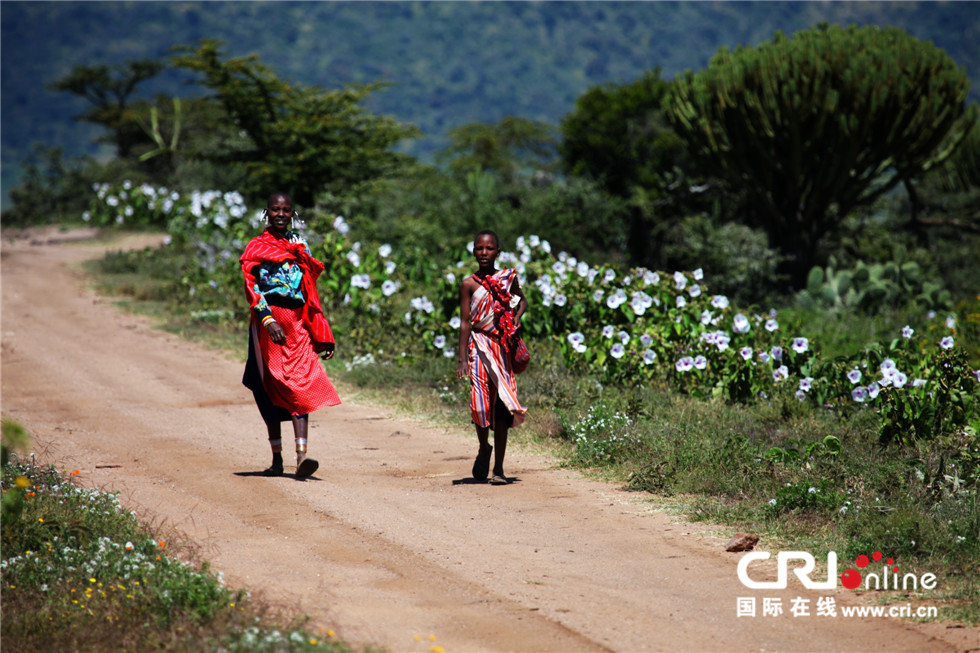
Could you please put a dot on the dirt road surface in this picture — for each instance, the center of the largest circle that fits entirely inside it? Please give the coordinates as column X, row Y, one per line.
column 387, row 544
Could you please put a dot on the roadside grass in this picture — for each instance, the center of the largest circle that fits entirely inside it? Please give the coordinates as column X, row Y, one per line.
column 801, row 479
column 81, row 573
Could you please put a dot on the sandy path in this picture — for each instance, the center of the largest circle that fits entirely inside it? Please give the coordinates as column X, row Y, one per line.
column 381, row 545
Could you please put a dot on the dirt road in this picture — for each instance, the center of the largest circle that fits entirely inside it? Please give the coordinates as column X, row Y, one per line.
column 387, row 542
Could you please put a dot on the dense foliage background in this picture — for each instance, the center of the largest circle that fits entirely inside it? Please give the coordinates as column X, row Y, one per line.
column 448, row 63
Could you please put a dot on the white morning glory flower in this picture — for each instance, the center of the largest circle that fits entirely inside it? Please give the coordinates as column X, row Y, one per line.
column 384, row 250
column 638, row 306
column 646, row 340
column 806, row 383
column 341, row 225
column 642, row 298
column 681, row 302
column 439, row 342
column 616, row 299
column 354, row 258
column 455, row 322
column 776, row 353
column 576, row 338
column 764, row 356
column 887, row 366
column 389, row 287
column 649, row 356
column 719, row 301
column 800, row 395
column 951, row 322
column 698, row 274
column 617, row 351
column 623, row 337
column 700, row 362
column 745, row 353
column 873, row 390
column 694, row 291
column 582, row 268
column 650, row 278
column 449, row 352
column 721, row 340
column 597, row 295
column 609, row 276
column 361, row 281
column 422, row 304
column 907, row 331
column 680, row 281
column 859, row 394
column 917, row 383
column 684, row 364
column 947, row 342
column 560, row 300
column 608, row 331
column 780, row 373
column 740, row 324
column 854, row 376
column 771, row 325
column 800, row 345
column 705, row 317
column 899, row 379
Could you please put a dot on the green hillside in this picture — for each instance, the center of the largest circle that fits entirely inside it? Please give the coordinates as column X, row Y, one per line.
column 448, row 63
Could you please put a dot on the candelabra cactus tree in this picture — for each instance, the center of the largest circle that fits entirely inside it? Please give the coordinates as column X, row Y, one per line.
column 807, row 128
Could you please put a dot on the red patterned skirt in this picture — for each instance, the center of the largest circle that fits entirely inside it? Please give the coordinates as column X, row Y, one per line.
column 290, row 375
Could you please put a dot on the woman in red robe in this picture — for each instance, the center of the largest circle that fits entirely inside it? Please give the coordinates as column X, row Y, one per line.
column 288, row 330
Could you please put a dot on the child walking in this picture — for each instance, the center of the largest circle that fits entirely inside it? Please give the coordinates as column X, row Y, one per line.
column 491, row 305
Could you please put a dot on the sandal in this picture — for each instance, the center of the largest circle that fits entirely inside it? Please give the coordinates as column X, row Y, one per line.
column 274, row 470
column 481, row 467
column 306, row 467
column 499, row 479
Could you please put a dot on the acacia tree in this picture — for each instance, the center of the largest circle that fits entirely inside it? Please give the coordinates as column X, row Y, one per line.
column 813, row 126
column 109, row 90
column 297, row 138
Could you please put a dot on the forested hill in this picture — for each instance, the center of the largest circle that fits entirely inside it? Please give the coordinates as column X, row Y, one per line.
column 448, row 63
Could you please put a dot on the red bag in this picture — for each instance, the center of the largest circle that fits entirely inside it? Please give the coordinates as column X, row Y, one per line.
column 519, row 356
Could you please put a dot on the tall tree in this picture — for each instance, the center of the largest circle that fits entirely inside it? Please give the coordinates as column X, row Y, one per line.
column 812, row 126
column 618, row 136
column 109, row 89
column 301, row 139
column 513, row 146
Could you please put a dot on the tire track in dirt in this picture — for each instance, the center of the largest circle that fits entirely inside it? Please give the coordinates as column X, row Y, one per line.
column 381, row 545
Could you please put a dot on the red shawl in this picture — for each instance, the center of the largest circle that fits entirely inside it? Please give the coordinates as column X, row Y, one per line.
column 500, row 297
column 267, row 247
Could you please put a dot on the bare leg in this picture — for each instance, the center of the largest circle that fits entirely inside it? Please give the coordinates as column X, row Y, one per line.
column 304, row 466
column 275, row 442
column 499, row 450
column 301, row 427
column 501, row 425
column 482, row 465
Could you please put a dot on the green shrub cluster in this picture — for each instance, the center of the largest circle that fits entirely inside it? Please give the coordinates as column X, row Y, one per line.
column 79, row 572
